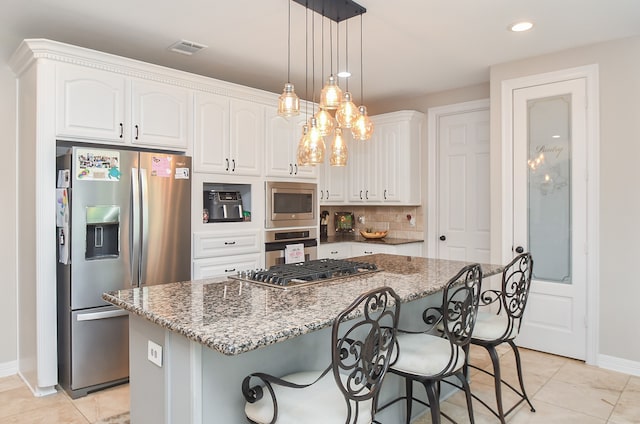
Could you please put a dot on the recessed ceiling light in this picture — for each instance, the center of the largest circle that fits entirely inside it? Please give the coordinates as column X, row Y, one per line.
column 521, row 26
column 344, row 74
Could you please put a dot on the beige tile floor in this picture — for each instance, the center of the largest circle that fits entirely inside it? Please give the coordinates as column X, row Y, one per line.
column 562, row 390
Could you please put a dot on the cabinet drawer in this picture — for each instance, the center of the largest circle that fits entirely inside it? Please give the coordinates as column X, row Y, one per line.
column 211, row 245
column 228, row 265
column 334, row 251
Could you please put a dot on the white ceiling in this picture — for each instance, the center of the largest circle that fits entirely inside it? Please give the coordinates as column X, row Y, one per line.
column 411, row 47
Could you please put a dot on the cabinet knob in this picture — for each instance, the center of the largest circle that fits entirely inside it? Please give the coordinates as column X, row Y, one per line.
column 443, row 238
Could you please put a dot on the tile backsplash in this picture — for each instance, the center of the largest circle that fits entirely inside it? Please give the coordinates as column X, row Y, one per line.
column 392, row 218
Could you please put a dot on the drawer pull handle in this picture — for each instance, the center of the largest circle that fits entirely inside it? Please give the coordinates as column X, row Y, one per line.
column 229, row 243
column 230, row 270
column 368, row 253
column 121, row 129
column 334, row 252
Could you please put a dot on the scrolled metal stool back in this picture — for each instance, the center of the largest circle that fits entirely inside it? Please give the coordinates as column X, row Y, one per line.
column 363, row 347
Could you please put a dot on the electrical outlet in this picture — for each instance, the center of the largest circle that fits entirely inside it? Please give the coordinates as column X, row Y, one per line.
column 154, row 353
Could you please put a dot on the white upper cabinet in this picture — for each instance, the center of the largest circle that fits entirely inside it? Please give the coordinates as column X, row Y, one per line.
column 386, row 168
column 97, row 105
column 283, row 136
column 90, row 104
column 229, row 135
column 332, row 185
column 160, row 114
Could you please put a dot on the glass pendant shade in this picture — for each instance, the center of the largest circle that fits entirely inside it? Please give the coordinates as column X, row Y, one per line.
column 331, row 94
column 325, row 122
column 363, row 127
column 339, row 152
column 347, row 112
column 288, row 102
column 316, row 146
column 303, row 147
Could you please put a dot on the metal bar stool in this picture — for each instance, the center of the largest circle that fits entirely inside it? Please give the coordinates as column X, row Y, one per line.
column 438, row 352
column 503, row 326
column 346, row 391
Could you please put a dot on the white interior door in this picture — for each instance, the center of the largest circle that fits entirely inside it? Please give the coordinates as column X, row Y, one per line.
column 463, row 228
column 550, row 212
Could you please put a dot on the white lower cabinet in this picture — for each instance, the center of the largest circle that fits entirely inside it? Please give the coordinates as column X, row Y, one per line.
column 221, row 253
column 350, row 249
column 225, row 265
column 334, row 251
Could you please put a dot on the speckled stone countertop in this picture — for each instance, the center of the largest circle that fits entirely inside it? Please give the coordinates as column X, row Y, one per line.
column 233, row 317
column 353, row 237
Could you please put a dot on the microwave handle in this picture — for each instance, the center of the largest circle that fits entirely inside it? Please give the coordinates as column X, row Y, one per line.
column 240, row 212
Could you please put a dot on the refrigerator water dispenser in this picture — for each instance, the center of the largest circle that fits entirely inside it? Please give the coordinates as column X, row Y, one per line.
column 103, row 232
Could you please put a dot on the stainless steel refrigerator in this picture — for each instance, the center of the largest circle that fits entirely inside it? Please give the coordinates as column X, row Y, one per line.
column 123, row 220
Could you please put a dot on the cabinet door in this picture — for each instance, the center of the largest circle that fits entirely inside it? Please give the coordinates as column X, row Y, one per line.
column 278, row 145
column 389, row 145
column 211, row 138
column 90, row 104
column 227, row 265
column 332, row 187
column 160, row 115
column 247, row 137
column 358, row 171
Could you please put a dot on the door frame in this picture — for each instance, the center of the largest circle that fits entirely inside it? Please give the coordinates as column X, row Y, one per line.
column 590, row 73
column 433, row 118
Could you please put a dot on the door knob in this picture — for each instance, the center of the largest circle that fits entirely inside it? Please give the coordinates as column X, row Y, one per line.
column 519, row 249
column 443, row 238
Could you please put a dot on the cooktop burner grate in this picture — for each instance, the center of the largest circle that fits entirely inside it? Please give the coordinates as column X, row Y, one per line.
column 306, row 273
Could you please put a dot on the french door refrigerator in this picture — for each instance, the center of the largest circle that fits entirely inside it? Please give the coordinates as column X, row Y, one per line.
column 127, row 225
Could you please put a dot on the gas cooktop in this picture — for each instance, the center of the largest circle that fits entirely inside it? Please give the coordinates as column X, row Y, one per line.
column 302, row 274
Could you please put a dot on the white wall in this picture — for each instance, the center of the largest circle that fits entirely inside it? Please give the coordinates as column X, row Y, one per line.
column 8, row 324
column 619, row 211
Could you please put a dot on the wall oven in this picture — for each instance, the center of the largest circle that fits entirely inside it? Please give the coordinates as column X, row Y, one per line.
column 291, row 204
column 276, row 242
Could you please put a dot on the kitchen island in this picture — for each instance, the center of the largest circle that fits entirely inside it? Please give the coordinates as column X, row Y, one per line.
column 215, row 332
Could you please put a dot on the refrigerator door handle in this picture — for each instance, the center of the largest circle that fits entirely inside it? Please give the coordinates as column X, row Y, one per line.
column 144, row 234
column 134, row 236
column 92, row 316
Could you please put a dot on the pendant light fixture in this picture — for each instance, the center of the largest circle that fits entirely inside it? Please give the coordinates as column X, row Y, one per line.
column 347, row 111
column 363, row 127
column 316, row 147
column 288, row 102
column 331, row 94
column 339, row 151
column 323, row 117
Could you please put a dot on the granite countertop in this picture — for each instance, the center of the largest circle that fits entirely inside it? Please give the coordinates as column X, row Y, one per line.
column 233, row 317
column 356, row 237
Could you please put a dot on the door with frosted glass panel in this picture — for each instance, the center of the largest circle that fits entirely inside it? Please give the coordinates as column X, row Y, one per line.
column 549, row 212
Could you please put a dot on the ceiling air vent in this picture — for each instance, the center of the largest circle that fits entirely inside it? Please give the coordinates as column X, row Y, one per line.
column 186, row 47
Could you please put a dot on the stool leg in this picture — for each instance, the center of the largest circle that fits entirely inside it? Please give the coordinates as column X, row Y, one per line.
column 467, row 394
column 434, row 401
column 409, row 392
column 516, row 353
column 495, row 360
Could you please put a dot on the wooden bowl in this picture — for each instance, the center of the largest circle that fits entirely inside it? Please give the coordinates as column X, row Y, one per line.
column 373, row 235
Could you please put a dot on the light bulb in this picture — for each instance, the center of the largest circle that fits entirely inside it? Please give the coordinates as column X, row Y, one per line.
column 339, row 151
column 288, row 102
column 347, row 112
column 325, row 122
column 363, row 127
column 331, row 94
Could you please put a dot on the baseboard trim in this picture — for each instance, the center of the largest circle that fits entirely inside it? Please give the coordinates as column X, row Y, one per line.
column 619, row 364
column 8, row 368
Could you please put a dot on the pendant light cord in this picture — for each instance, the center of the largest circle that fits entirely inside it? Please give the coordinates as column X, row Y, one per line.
column 361, row 66
column 289, row 46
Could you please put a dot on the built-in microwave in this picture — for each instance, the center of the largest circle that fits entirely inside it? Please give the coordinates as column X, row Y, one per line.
column 290, row 204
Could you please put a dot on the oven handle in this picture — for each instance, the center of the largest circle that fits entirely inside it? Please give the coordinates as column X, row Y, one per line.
column 281, row 245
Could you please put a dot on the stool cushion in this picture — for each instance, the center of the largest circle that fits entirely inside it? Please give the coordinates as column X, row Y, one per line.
column 490, row 326
column 427, row 355
column 322, row 402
